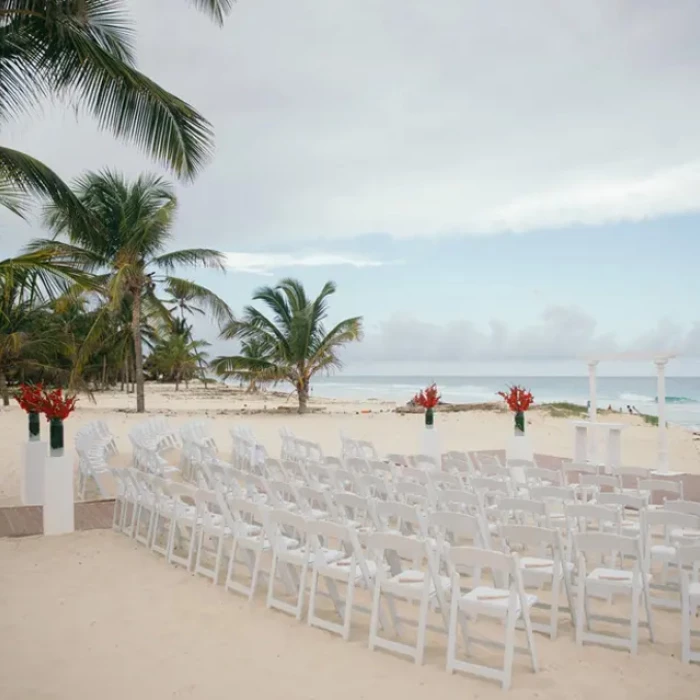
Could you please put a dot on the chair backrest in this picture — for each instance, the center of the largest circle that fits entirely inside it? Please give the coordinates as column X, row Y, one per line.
column 380, row 468
column 353, row 508
column 423, row 461
column 244, row 514
column 358, row 465
column 419, row 476
column 398, row 459
column 672, row 524
column 459, row 501
column 444, row 480
column 627, row 501
column 454, row 527
column 483, row 484
column 283, row 523
column 390, row 515
column 527, row 536
column 315, row 502
column 413, row 494
column 283, row 494
column 324, row 535
column 601, row 481
column 692, row 507
column 607, row 543
column 374, row 486
column 537, row 476
column 689, row 555
column 584, row 517
column 572, row 470
column 522, row 511
column 382, row 544
column 663, row 486
column 478, row 558
column 344, row 480
column 320, row 475
column 561, row 494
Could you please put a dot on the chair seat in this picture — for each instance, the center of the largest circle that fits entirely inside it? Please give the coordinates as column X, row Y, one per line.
column 484, row 598
column 613, row 577
column 341, row 570
column 682, row 533
column 694, row 590
column 666, row 552
column 536, row 565
column 411, row 581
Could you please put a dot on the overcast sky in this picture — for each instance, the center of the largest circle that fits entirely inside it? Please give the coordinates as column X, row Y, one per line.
column 484, row 180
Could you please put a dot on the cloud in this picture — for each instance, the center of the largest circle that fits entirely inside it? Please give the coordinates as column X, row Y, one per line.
column 265, row 263
column 460, row 117
column 561, row 333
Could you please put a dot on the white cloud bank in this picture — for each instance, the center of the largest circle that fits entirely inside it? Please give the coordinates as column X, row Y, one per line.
column 562, row 333
column 267, row 263
column 340, row 118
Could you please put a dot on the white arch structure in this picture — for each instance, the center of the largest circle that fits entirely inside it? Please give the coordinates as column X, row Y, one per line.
column 660, row 360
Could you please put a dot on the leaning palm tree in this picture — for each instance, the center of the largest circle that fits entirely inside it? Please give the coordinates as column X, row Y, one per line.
column 130, row 225
column 82, row 51
column 254, row 364
column 298, row 341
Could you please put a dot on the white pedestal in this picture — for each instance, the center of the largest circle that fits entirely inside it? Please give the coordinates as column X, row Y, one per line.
column 59, row 507
column 430, row 445
column 33, row 476
column 519, row 447
column 580, row 443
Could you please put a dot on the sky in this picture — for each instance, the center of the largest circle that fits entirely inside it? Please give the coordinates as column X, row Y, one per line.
column 491, row 185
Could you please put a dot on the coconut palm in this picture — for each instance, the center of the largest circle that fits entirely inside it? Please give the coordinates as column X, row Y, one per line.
column 82, row 51
column 130, row 225
column 254, row 364
column 299, row 345
column 179, row 358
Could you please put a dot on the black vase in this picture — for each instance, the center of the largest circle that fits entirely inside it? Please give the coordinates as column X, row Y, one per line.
column 56, row 437
column 429, row 417
column 520, row 423
column 34, row 427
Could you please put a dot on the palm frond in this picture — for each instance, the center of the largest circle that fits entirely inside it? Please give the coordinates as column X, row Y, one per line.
column 210, row 302
column 191, row 257
column 216, row 9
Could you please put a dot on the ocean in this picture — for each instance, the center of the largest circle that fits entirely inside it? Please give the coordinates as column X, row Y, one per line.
column 682, row 393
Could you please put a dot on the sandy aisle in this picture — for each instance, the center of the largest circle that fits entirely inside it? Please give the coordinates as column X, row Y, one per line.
column 390, row 432
column 92, row 615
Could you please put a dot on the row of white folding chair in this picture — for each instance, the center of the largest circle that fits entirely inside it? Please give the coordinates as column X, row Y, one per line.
column 93, row 444
column 350, row 447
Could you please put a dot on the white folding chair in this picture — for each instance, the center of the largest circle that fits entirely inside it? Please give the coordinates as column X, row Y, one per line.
column 632, row 505
column 603, row 582
column 355, row 511
column 419, row 584
column 691, row 507
column 660, row 489
column 538, row 569
column 183, row 528
column 522, row 511
column 251, row 541
column 214, row 526
column 663, row 532
column 413, row 494
column 286, row 561
column 688, row 559
column 351, row 571
column 510, row 604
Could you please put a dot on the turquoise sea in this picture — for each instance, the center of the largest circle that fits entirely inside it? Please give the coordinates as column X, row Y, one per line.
column 682, row 393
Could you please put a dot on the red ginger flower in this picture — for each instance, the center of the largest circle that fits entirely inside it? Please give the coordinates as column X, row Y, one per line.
column 30, row 397
column 55, row 405
column 428, row 398
column 518, row 398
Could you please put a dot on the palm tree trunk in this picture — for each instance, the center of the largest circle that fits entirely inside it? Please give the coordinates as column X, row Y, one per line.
column 138, row 353
column 303, row 392
column 3, row 389
column 104, row 372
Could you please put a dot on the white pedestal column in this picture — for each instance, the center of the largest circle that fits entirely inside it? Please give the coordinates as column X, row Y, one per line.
column 59, row 507
column 430, row 445
column 661, row 405
column 33, row 476
column 580, row 442
column 592, row 410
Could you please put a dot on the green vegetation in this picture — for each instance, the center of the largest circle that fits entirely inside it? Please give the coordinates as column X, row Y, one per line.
column 293, row 344
column 83, row 53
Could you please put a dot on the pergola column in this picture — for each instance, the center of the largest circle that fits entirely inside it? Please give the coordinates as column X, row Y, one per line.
column 661, row 407
column 592, row 411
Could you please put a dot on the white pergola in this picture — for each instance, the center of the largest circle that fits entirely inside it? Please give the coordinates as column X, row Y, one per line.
column 660, row 360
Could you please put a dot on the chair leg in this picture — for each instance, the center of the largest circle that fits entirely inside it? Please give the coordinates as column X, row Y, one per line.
column 554, row 611
column 452, row 630
column 349, row 596
column 312, row 596
column 580, row 608
column 509, row 650
column 376, row 602
column 256, row 573
column 422, row 623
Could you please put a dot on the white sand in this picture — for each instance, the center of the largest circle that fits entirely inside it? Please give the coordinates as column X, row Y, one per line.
column 93, row 615
column 390, row 432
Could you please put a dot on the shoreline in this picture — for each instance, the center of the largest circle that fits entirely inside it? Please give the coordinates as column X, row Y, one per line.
column 476, row 428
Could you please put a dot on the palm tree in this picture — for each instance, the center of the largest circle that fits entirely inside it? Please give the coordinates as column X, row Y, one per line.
column 298, row 343
column 179, row 358
column 130, row 225
column 254, row 364
column 82, row 50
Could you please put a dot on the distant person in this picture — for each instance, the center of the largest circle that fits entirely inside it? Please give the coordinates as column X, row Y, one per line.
column 629, row 409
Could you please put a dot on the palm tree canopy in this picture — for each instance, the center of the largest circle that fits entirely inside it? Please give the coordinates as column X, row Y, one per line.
column 294, row 333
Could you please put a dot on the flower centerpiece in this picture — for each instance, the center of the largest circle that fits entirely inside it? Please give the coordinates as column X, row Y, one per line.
column 428, row 399
column 519, row 400
column 57, row 407
column 30, row 397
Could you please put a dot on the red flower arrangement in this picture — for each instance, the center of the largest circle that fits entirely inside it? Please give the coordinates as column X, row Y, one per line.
column 56, row 405
column 518, row 398
column 30, row 397
column 428, row 398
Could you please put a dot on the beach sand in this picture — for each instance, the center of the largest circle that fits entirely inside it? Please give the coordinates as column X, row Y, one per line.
column 389, row 431
column 93, row 615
